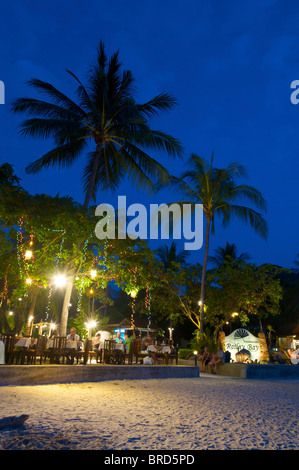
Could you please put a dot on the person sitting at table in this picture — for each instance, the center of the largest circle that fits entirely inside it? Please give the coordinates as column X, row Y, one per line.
column 146, row 341
column 96, row 341
column 128, row 340
column 97, row 346
column 118, row 338
column 54, row 334
column 72, row 336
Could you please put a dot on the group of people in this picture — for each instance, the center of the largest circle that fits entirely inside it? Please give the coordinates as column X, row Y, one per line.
column 98, row 343
column 211, row 360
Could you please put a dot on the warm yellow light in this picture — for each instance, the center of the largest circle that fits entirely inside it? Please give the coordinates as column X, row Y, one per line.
column 134, row 293
column 28, row 281
column 91, row 291
column 235, row 314
column 93, row 273
column 28, row 254
column 52, row 326
column 60, row 280
column 195, row 353
column 91, row 324
column 30, row 319
column 10, row 313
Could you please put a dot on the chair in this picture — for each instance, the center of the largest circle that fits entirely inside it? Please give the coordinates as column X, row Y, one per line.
column 11, row 352
column 8, row 341
column 135, row 350
column 80, row 354
column 95, row 353
column 58, row 350
column 172, row 356
column 33, row 353
column 110, row 354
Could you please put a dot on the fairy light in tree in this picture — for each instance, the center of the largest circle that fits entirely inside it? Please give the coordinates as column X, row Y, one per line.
column 133, row 294
column 148, row 304
column 81, row 284
column 5, row 289
column 19, row 241
column 57, row 259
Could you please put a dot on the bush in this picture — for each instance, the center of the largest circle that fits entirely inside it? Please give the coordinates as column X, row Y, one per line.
column 185, row 353
column 202, row 340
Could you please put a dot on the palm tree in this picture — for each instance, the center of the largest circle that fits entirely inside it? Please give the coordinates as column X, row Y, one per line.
column 217, row 191
column 107, row 118
column 170, row 255
column 229, row 251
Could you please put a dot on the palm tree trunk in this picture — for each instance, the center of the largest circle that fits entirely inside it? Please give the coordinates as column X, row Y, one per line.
column 31, row 311
column 203, row 275
column 90, row 188
column 66, row 305
column 69, row 287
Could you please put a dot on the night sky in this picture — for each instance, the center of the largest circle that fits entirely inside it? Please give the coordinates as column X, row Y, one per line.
column 229, row 64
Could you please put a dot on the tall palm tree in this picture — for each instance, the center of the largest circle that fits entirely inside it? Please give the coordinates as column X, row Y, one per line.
column 216, row 189
column 229, row 251
column 105, row 118
column 169, row 255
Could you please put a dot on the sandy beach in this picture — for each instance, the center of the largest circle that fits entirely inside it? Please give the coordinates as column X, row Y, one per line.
column 209, row 412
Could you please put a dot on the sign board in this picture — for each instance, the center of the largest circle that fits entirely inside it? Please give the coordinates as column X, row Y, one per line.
column 242, row 339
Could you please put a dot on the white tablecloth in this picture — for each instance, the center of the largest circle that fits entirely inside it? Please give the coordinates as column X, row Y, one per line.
column 74, row 344
column 164, row 349
column 2, row 353
column 25, row 342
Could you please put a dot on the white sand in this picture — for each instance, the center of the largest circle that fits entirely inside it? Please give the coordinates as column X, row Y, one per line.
column 210, row 412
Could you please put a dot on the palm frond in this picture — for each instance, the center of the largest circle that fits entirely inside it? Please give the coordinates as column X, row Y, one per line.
column 245, row 214
column 62, row 156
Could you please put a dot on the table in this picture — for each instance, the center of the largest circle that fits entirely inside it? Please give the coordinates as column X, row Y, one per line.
column 25, row 342
column 2, row 353
column 74, row 344
column 159, row 349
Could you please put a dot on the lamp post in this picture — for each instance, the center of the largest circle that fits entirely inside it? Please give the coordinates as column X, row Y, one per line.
column 90, row 325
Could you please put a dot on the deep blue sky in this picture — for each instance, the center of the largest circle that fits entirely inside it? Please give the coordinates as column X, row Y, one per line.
column 229, row 64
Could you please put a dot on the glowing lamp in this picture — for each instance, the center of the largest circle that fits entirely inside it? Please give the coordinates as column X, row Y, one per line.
column 134, row 293
column 60, row 280
column 93, row 273
column 28, row 254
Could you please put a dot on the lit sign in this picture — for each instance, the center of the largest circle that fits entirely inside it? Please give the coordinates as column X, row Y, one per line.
column 242, row 339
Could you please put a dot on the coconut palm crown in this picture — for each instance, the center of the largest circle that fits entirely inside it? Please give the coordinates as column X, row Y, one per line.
column 220, row 195
column 105, row 116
